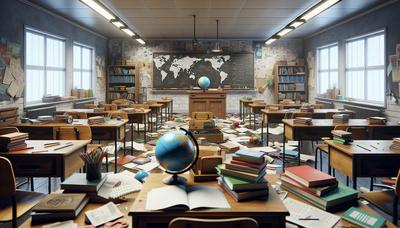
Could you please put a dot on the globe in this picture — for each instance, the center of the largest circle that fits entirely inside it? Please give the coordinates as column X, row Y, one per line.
column 203, row 82
column 176, row 153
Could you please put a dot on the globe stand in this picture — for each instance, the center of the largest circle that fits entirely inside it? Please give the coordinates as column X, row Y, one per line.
column 174, row 180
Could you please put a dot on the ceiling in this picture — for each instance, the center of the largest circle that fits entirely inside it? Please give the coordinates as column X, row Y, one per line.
column 239, row 19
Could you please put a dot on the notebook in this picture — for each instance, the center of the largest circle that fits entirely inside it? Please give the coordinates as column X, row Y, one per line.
column 77, row 182
column 363, row 219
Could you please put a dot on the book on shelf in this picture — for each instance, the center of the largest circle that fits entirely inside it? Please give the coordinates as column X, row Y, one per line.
column 309, row 176
column 363, row 219
column 58, row 207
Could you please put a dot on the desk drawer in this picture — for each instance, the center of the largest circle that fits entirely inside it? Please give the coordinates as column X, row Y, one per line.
column 378, row 166
column 34, row 166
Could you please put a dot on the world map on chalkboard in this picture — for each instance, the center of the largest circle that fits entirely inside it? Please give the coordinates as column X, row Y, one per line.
column 181, row 71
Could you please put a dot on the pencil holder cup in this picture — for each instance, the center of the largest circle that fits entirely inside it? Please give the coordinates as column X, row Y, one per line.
column 93, row 172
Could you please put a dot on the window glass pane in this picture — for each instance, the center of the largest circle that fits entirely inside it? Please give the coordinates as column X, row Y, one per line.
column 55, row 82
column 55, row 53
column 355, row 54
column 34, row 49
column 355, row 84
column 375, row 50
column 86, row 80
column 34, row 85
column 77, row 57
column 323, row 82
column 376, row 85
column 324, row 59
column 77, row 80
column 333, row 80
column 86, row 59
column 333, row 57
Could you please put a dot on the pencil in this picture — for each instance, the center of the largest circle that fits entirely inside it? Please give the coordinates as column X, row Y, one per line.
column 363, row 147
column 61, row 147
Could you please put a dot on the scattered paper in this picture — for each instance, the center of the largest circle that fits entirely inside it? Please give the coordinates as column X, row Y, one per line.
column 65, row 224
column 136, row 146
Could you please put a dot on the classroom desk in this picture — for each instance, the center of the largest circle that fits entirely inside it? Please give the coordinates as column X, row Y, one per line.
column 298, row 106
column 255, row 109
column 139, row 117
column 269, row 213
column 276, row 116
column 323, row 127
column 53, row 163
column 243, row 105
column 110, row 130
column 168, row 106
column 156, row 109
column 364, row 158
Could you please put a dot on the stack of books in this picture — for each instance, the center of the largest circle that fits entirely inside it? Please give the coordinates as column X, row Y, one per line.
column 302, row 120
column 58, row 207
column 340, row 118
column 77, row 183
column 243, row 177
column 13, row 141
column 395, row 144
column 318, row 188
column 96, row 120
column 342, row 137
column 377, row 120
column 306, row 108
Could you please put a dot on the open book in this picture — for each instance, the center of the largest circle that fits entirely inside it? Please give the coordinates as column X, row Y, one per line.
column 181, row 197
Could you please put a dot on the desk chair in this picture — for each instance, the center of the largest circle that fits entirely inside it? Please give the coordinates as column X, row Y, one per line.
column 8, row 130
column 386, row 200
column 14, row 204
column 213, row 223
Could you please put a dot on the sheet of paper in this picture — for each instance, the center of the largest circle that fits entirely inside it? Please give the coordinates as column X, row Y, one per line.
column 306, row 157
column 65, row 224
column 130, row 165
column 136, row 146
column 156, row 199
column 276, row 131
column 203, row 196
column 242, row 129
column 118, row 180
column 13, row 89
column 8, row 78
column 104, row 214
column 300, row 210
column 149, row 166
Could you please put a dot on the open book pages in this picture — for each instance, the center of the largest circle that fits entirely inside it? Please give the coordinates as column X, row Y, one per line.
column 194, row 197
column 103, row 214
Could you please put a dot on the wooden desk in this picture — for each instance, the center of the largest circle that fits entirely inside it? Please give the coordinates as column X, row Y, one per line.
column 256, row 108
column 377, row 160
column 208, row 101
column 273, row 179
column 269, row 213
column 60, row 163
column 139, row 117
column 323, row 127
column 156, row 108
column 276, row 116
column 297, row 106
column 168, row 106
column 243, row 105
column 110, row 130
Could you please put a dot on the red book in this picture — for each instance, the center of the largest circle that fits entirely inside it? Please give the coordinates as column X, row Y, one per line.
column 309, row 177
column 252, row 165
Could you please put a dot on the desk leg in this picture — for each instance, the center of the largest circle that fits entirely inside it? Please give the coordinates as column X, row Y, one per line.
column 172, row 108
column 354, row 175
column 131, row 138
column 283, row 148
column 299, row 144
column 32, row 184
column 161, row 117
column 267, row 134
column 115, row 149
column 240, row 110
column 254, row 119
column 124, row 139
column 250, row 121
column 145, row 128
column 157, row 119
column 329, row 160
column 151, row 123
column 262, row 129
column 49, row 187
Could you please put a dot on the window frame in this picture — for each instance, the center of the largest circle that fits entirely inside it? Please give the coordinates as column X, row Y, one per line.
column 81, row 70
column 366, row 68
column 329, row 70
column 45, row 68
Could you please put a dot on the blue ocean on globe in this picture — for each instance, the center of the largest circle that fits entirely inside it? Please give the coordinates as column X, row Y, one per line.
column 175, row 151
column 203, row 82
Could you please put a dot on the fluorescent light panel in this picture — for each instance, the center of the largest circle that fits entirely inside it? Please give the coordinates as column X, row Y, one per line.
column 118, row 24
column 319, row 9
column 128, row 31
column 270, row 41
column 296, row 24
column 141, row 41
column 99, row 9
column 284, row 31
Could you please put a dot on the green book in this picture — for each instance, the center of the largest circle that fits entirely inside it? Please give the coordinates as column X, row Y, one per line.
column 77, row 182
column 363, row 219
column 238, row 184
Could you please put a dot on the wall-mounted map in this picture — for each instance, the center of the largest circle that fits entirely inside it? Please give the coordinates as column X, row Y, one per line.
column 181, row 71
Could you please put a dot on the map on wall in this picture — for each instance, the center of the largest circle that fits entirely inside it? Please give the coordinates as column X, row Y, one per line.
column 181, row 71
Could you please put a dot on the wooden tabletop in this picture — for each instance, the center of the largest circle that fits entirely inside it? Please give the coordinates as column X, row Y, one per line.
column 248, row 101
column 273, row 205
column 163, row 100
column 77, row 122
column 85, row 110
column 329, row 123
column 319, row 111
column 257, row 105
column 370, row 147
column 38, row 145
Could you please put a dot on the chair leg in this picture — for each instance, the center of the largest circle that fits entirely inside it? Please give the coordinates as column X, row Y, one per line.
column 320, row 160
column 395, row 209
column 32, row 184
column 371, row 184
column 14, row 212
column 333, row 172
column 316, row 158
column 347, row 181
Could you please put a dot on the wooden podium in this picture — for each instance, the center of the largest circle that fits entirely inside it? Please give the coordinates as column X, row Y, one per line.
column 208, row 101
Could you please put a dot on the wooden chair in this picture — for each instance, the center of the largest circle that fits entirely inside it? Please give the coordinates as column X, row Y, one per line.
column 90, row 106
column 386, row 200
column 109, row 107
column 121, row 102
column 213, row 223
column 14, row 204
column 121, row 114
column 138, row 106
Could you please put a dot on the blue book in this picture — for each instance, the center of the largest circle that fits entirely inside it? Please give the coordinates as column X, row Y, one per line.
column 252, row 154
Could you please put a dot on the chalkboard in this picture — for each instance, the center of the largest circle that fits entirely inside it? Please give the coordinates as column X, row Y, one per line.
column 181, row 71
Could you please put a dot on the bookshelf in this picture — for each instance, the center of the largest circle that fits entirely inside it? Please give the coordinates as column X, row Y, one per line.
column 290, row 82
column 123, row 82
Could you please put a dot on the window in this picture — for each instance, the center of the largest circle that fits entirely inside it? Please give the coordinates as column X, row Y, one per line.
column 365, row 68
column 45, row 65
column 327, row 63
column 83, row 67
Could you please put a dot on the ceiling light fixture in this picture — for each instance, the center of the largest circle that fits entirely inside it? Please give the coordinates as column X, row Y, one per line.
column 318, row 8
column 217, row 49
column 195, row 42
column 102, row 9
